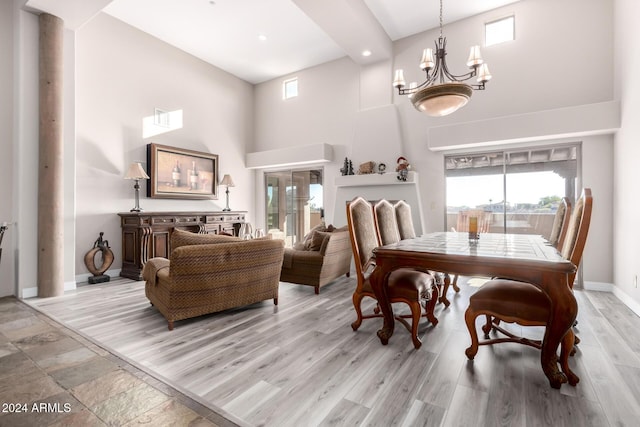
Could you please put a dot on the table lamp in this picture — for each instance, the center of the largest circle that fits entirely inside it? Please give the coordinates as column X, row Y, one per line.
column 136, row 172
column 226, row 180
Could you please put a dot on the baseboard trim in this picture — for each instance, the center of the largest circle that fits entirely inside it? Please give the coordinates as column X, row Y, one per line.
column 33, row 292
column 616, row 291
column 627, row 300
column 598, row 286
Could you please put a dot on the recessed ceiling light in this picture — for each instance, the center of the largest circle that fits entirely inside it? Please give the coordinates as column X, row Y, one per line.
column 212, row 3
column 366, row 52
column 262, row 37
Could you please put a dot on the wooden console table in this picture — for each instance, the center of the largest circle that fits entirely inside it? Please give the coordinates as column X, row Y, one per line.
column 147, row 234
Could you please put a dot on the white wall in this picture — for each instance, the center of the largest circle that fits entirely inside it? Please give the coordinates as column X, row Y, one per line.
column 25, row 145
column 545, row 68
column 122, row 75
column 626, row 200
column 7, row 279
column 324, row 112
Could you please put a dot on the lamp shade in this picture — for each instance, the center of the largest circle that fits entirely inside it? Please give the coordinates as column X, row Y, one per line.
column 226, row 180
column 136, row 172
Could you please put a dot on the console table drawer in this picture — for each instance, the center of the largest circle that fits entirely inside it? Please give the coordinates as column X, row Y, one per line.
column 161, row 220
column 224, row 218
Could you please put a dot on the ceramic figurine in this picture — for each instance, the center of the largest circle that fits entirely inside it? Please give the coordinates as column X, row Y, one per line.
column 402, row 168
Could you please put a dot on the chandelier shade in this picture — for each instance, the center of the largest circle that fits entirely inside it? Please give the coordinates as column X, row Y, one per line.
column 440, row 100
column 443, row 92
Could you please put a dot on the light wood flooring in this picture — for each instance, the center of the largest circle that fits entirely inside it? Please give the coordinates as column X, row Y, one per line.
column 300, row 364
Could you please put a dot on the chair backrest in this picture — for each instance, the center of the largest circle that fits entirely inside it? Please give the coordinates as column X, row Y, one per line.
column 560, row 223
column 385, row 217
column 362, row 231
column 576, row 235
column 404, row 220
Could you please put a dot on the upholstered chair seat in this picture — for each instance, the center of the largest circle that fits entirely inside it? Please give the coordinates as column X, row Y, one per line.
column 519, row 299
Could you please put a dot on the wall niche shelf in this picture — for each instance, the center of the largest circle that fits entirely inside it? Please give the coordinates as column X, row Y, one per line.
column 374, row 179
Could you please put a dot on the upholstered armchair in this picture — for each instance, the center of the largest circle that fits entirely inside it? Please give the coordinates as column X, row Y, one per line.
column 318, row 261
column 208, row 273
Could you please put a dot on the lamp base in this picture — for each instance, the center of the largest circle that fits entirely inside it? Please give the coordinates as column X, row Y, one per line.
column 226, row 209
column 136, row 210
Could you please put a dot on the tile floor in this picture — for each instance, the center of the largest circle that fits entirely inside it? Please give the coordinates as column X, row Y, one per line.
column 52, row 376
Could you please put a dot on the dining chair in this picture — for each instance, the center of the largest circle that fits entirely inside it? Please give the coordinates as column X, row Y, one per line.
column 560, row 223
column 408, row 286
column 558, row 231
column 388, row 229
column 406, row 230
column 404, row 220
column 525, row 304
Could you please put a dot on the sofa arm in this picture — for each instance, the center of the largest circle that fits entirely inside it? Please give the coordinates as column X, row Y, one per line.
column 152, row 267
column 338, row 242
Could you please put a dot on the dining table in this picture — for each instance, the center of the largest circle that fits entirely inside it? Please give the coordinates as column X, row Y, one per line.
column 525, row 257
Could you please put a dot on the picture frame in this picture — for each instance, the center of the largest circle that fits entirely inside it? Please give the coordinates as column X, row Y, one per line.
column 178, row 173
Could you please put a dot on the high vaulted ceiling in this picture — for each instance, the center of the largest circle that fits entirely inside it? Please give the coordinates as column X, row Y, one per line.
column 296, row 34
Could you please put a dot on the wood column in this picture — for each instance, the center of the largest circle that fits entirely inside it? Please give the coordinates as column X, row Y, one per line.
column 50, row 167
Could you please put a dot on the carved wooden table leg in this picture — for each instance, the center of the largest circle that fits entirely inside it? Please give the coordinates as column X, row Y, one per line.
column 564, row 311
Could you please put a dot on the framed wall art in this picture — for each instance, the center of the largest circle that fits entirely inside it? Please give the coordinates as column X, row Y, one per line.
column 177, row 173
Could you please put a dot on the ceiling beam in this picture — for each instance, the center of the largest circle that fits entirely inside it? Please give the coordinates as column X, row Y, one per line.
column 352, row 26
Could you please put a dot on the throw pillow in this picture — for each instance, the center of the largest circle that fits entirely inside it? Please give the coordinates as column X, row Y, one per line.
column 315, row 242
column 307, row 237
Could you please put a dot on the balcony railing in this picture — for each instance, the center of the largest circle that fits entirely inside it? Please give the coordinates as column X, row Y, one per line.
column 517, row 223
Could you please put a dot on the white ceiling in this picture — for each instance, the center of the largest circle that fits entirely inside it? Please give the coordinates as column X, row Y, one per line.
column 299, row 33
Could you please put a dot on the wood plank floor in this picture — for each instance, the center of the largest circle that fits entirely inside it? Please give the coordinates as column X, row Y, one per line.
column 300, row 364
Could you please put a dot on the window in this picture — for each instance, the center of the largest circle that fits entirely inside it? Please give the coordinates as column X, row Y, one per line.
column 519, row 190
column 290, row 88
column 501, row 30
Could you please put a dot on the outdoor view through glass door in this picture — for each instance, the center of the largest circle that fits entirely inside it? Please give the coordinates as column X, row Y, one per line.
column 294, row 203
column 510, row 191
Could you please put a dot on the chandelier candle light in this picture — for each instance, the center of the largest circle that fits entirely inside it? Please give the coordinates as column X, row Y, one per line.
column 443, row 93
column 136, row 172
column 226, row 180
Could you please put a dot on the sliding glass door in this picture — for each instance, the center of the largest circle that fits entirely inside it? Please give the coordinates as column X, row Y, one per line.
column 294, row 203
column 516, row 191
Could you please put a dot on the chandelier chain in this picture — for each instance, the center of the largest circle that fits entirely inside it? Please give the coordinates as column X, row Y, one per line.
column 440, row 18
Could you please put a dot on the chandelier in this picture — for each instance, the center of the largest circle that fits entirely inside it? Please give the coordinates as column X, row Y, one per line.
column 442, row 92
